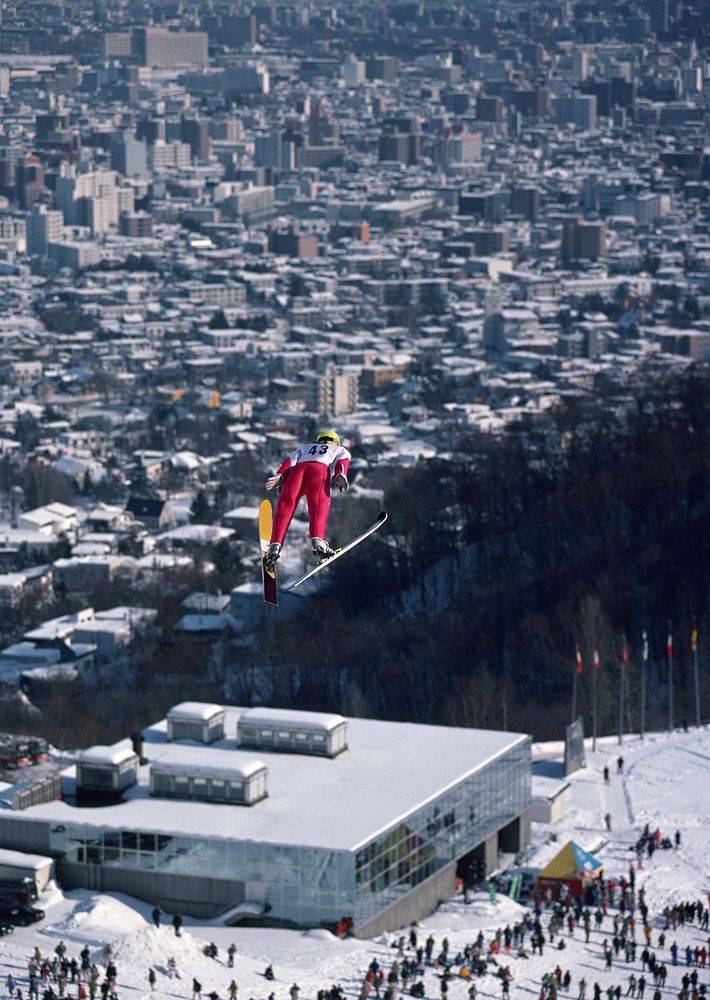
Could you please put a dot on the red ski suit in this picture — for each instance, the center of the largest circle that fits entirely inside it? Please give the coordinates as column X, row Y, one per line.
column 307, row 472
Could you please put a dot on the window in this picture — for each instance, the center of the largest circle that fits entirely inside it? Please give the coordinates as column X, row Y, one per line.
column 284, row 736
column 162, row 783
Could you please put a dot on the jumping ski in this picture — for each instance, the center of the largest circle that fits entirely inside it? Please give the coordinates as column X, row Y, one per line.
column 339, row 552
column 268, row 576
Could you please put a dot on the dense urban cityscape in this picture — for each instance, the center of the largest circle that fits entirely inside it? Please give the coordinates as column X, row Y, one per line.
column 222, row 226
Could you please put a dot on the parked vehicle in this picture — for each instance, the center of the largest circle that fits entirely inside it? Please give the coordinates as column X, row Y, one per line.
column 22, row 889
column 19, row 914
column 6, row 929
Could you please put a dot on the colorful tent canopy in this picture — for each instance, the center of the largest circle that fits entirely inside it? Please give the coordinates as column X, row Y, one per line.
column 572, row 863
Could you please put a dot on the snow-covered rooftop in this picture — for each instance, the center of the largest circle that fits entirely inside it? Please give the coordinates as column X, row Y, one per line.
column 194, row 710
column 389, row 770
column 106, row 755
column 316, row 721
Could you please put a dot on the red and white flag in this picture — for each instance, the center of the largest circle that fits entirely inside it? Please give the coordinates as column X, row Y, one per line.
column 578, row 656
column 669, row 642
column 596, row 656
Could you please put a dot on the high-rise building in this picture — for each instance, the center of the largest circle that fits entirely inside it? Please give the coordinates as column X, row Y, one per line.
column 525, row 201
column 582, row 239
column 457, row 147
column 331, row 393
column 87, row 199
column 29, row 181
column 274, row 152
column 129, row 156
column 237, row 30
column 44, row 226
column 162, row 48
column 196, row 133
column 489, row 108
column 352, row 71
column 579, row 110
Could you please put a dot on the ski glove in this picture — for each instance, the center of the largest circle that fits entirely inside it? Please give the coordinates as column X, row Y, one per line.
column 341, row 482
column 274, row 482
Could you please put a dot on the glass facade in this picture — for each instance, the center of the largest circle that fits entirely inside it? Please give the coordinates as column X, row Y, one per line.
column 446, row 828
column 314, row 885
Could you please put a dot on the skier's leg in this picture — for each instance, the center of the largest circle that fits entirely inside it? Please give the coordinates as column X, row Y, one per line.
column 317, row 488
column 291, row 492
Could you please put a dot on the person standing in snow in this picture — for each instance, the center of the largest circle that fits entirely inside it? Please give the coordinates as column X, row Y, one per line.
column 151, row 978
column 231, row 952
column 233, row 990
column 294, row 991
column 196, row 990
column 177, row 924
column 156, row 914
column 607, row 820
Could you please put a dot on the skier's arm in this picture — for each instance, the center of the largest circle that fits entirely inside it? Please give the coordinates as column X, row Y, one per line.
column 275, row 482
column 340, row 469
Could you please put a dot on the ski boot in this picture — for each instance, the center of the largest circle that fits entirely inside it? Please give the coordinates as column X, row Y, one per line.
column 272, row 555
column 321, row 549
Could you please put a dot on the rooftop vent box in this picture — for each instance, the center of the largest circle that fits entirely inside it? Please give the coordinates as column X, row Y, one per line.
column 241, row 786
column 106, row 770
column 195, row 720
column 293, row 732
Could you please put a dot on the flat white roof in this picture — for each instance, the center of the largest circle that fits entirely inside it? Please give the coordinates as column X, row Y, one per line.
column 241, row 773
column 316, row 721
column 106, row 755
column 389, row 770
column 194, row 711
column 19, row 859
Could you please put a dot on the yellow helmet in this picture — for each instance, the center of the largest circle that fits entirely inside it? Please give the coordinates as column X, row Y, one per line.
column 328, row 437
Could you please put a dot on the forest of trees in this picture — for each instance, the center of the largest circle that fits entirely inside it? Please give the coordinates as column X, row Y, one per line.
column 584, row 525
column 587, row 526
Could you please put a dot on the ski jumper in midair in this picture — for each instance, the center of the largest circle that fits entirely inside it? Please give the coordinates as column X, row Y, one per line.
column 308, row 472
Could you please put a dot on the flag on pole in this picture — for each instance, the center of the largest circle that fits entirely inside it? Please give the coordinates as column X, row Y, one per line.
column 578, row 654
column 644, row 638
column 694, row 637
column 596, row 656
column 669, row 641
column 624, row 653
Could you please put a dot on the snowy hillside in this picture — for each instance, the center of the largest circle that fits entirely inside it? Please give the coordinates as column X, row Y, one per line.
column 665, row 783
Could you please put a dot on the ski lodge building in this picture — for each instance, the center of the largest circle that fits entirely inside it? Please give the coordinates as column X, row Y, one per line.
column 295, row 818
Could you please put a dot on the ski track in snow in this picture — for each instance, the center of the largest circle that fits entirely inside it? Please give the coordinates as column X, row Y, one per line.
column 666, row 783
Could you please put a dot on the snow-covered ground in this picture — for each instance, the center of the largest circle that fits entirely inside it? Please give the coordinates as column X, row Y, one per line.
column 665, row 782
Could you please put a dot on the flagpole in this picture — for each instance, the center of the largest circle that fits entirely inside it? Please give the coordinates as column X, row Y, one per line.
column 669, row 651
column 644, row 660
column 577, row 673
column 594, row 697
column 696, row 671
column 624, row 660
column 574, row 695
